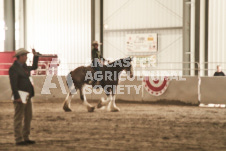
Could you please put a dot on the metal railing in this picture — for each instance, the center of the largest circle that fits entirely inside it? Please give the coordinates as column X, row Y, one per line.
column 4, row 64
column 195, row 67
column 208, row 68
column 48, row 65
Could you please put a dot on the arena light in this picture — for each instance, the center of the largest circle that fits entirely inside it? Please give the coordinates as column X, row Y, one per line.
column 105, row 26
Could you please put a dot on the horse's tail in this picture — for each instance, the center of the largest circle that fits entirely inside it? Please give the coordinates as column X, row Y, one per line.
column 69, row 80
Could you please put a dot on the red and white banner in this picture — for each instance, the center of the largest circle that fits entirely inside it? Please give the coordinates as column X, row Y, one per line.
column 156, row 86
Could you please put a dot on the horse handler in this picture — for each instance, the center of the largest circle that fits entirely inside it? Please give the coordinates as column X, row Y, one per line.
column 19, row 74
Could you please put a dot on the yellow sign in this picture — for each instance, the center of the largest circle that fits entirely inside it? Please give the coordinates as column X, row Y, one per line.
column 150, row 38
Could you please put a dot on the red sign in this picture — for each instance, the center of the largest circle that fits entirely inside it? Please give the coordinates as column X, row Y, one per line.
column 6, row 60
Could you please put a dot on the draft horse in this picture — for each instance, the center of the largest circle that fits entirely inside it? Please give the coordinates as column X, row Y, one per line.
column 109, row 74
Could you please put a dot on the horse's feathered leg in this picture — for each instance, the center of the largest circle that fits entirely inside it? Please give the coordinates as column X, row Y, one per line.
column 112, row 106
column 104, row 102
column 67, row 103
column 90, row 108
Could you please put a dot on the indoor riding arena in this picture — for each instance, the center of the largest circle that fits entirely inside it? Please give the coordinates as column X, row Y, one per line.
column 135, row 75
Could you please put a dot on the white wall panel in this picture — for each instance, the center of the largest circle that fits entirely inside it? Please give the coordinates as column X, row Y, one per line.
column 19, row 24
column 126, row 16
column 169, row 45
column 217, row 32
column 60, row 27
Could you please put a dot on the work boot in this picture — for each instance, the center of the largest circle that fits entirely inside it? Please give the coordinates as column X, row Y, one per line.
column 29, row 142
column 23, row 143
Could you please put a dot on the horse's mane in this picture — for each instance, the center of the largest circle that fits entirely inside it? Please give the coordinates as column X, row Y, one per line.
column 121, row 60
column 114, row 61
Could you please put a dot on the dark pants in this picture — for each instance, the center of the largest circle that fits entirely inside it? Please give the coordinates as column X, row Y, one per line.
column 23, row 112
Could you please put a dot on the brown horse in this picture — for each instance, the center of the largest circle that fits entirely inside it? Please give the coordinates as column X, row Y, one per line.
column 107, row 78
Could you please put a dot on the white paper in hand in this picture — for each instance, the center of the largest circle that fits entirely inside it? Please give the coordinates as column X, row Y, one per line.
column 23, row 96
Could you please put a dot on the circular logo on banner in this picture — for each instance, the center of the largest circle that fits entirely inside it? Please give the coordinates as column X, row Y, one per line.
column 156, row 86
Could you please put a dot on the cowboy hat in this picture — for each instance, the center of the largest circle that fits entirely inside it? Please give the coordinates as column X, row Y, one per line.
column 21, row 51
column 96, row 43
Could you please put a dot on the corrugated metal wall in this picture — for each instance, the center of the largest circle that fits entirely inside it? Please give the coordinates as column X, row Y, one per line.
column 217, row 34
column 19, row 23
column 60, row 27
column 123, row 17
column 2, row 26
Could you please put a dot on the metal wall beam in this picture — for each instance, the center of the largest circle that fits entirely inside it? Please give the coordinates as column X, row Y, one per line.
column 92, row 20
column 186, row 36
column 101, row 24
column 142, row 29
column 197, row 33
column 206, row 35
column 203, row 36
column 25, row 22
column 9, row 16
column 97, row 20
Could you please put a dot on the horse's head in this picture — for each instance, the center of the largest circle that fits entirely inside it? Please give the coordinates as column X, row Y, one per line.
column 127, row 64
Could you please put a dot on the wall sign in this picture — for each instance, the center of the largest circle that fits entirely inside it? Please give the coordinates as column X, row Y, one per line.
column 142, row 43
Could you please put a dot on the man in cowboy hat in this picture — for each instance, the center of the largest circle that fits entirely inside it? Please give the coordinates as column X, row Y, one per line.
column 19, row 74
column 96, row 57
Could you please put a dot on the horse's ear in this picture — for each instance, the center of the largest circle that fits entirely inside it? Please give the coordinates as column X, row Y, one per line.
column 129, row 58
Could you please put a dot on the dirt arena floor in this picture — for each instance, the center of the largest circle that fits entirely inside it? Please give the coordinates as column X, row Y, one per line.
column 135, row 127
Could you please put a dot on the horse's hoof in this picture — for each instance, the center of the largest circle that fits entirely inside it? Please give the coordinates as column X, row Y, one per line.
column 103, row 108
column 99, row 105
column 91, row 109
column 115, row 109
column 67, row 109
